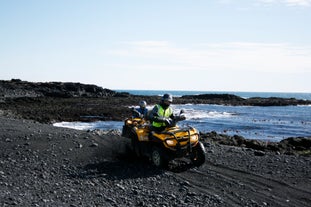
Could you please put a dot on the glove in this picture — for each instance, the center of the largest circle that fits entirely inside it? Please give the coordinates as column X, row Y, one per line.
column 168, row 121
column 182, row 117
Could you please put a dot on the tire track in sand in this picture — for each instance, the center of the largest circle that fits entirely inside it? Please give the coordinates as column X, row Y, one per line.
column 253, row 190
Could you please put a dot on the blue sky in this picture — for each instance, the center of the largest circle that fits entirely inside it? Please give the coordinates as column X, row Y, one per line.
column 211, row 45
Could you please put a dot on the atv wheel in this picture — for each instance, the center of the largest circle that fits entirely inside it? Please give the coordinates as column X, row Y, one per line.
column 158, row 157
column 136, row 147
column 198, row 156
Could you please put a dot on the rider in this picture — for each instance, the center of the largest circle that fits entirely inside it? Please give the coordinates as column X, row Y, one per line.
column 162, row 114
column 142, row 111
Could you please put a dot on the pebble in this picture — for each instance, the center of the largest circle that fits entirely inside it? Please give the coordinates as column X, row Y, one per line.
column 94, row 144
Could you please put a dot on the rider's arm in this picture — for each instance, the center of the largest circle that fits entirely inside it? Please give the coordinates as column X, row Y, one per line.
column 154, row 116
column 136, row 113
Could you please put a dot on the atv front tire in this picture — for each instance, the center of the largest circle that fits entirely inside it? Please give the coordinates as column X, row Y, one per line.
column 198, row 155
column 158, row 157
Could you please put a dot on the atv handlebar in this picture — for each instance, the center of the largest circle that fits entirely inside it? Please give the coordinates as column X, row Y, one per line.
column 172, row 122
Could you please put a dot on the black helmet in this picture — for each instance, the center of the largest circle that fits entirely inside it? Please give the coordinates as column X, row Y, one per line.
column 167, row 97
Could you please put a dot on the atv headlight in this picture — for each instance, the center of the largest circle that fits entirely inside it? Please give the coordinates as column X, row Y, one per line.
column 170, row 142
column 194, row 138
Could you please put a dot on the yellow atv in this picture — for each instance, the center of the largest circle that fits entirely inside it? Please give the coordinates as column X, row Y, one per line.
column 162, row 147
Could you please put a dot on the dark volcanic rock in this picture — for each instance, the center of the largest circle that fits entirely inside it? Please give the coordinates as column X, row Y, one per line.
column 18, row 88
column 292, row 145
column 275, row 101
column 229, row 99
column 226, row 97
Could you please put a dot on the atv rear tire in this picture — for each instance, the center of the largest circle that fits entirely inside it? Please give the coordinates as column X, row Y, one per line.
column 198, row 155
column 136, row 147
column 158, row 157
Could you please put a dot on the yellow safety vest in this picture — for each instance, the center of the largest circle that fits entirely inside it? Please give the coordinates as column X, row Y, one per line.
column 161, row 112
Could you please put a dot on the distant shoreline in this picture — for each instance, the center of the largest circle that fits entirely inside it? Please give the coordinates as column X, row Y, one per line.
column 243, row 94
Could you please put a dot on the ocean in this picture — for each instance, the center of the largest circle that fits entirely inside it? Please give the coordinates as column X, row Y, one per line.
column 303, row 96
column 272, row 123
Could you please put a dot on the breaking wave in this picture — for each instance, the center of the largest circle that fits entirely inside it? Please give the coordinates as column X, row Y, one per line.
column 201, row 114
column 90, row 125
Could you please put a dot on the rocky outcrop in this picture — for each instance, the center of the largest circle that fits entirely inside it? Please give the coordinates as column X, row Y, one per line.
column 290, row 146
column 229, row 99
column 275, row 101
column 225, row 97
column 18, row 88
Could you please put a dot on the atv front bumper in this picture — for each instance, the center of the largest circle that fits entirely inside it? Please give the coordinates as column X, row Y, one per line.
column 181, row 151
